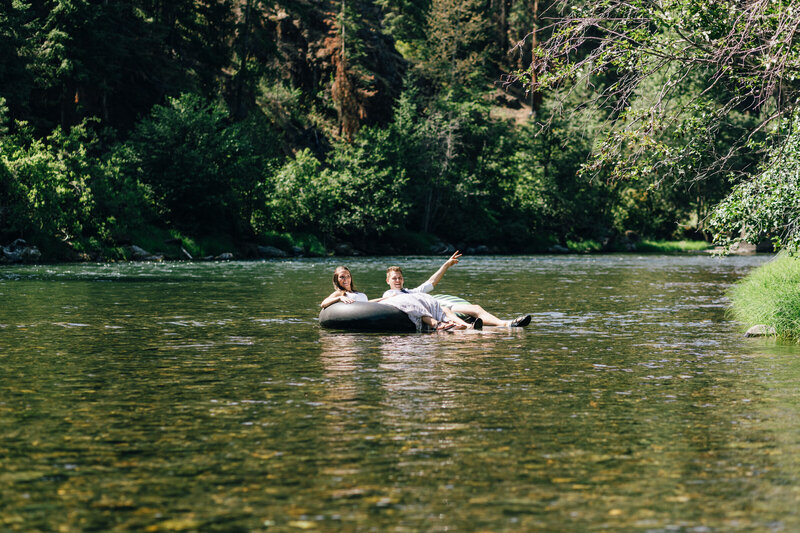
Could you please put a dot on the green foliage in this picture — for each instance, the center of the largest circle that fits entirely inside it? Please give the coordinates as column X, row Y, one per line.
column 45, row 184
column 308, row 242
column 583, row 247
column 766, row 206
column 320, row 140
column 447, row 154
column 15, row 79
column 668, row 247
column 204, row 174
column 365, row 189
column 770, row 295
column 645, row 210
column 405, row 19
column 411, row 242
column 572, row 204
column 674, row 79
column 455, row 54
column 210, row 245
column 155, row 240
column 168, row 243
column 298, row 197
column 124, row 204
column 359, row 194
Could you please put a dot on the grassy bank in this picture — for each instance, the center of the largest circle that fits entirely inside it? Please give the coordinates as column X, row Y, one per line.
column 770, row 295
column 644, row 246
column 671, row 247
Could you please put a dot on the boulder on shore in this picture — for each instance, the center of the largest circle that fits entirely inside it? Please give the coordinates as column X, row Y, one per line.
column 19, row 252
column 442, row 248
column 271, row 252
column 761, row 330
column 140, row 254
column 346, row 249
column 558, row 249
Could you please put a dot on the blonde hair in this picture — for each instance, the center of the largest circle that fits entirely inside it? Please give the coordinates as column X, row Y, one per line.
column 394, row 269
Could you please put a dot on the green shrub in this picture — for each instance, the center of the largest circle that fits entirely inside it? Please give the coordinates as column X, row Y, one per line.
column 766, row 205
column 286, row 241
column 204, row 174
column 45, row 185
column 584, row 246
column 298, row 198
column 214, row 244
column 282, row 241
column 310, row 244
column 123, row 203
column 365, row 189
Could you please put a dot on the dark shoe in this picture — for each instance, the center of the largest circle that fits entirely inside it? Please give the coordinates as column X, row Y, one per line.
column 478, row 324
column 521, row 322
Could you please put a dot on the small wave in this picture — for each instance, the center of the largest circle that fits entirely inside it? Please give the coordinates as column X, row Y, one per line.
column 241, row 341
column 278, row 320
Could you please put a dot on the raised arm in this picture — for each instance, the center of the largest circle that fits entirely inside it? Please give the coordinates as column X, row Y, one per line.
column 437, row 276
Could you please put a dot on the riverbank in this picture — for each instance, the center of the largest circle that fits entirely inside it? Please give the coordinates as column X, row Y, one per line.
column 167, row 245
column 770, row 295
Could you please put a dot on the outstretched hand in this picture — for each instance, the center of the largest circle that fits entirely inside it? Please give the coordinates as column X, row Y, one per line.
column 453, row 259
column 437, row 276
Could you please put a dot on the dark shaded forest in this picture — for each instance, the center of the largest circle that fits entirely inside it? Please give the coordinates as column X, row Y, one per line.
column 383, row 126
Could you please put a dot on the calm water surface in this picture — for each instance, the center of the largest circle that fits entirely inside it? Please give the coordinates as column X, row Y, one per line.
column 204, row 397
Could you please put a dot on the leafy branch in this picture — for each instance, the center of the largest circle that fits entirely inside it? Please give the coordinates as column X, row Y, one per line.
column 712, row 61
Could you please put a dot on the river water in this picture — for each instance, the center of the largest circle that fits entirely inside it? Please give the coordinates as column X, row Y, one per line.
column 205, row 397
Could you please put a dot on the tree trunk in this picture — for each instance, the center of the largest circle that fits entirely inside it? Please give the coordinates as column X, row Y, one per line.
column 536, row 96
column 239, row 107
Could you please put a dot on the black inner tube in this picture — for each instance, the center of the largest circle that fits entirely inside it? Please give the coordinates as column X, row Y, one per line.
column 365, row 316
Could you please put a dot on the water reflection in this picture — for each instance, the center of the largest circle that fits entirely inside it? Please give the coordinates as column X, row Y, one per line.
column 205, row 397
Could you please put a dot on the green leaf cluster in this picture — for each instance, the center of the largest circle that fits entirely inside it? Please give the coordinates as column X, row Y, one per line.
column 766, row 207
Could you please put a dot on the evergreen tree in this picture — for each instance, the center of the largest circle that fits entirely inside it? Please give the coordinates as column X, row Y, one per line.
column 15, row 80
column 456, row 48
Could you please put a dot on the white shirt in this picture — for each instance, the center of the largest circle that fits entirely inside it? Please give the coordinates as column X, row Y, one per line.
column 357, row 296
column 425, row 287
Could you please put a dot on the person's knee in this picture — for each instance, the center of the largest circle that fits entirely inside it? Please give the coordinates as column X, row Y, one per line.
column 467, row 309
column 472, row 309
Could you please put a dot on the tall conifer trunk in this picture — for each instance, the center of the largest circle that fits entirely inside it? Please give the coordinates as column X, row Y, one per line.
column 536, row 96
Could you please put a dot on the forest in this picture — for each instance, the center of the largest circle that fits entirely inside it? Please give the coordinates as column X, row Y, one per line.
column 395, row 126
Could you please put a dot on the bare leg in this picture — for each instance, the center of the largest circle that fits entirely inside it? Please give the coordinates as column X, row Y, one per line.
column 454, row 318
column 478, row 312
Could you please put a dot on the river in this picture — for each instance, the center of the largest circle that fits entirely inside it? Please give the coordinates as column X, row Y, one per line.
column 205, row 397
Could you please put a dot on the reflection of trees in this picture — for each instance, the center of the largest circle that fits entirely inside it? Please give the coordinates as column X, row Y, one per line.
column 397, row 415
column 340, row 356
